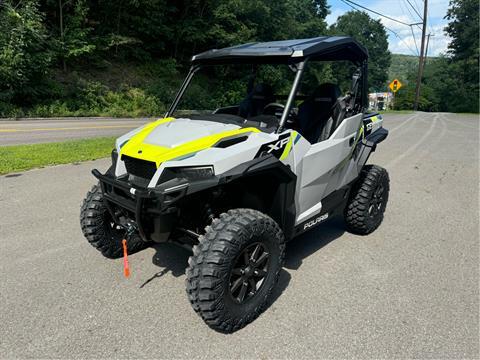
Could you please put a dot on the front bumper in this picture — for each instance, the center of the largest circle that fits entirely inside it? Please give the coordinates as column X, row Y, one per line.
column 143, row 204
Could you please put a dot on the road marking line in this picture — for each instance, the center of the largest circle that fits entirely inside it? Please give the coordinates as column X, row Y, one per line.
column 463, row 124
column 70, row 128
column 412, row 148
column 402, row 124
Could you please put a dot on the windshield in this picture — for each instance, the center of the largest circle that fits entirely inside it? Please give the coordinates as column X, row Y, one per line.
column 256, row 95
column 248, row 95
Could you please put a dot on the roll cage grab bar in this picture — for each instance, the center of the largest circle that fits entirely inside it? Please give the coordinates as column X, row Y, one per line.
column 300, row 67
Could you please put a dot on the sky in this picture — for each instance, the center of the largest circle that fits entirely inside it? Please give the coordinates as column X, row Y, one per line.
column 403, row 42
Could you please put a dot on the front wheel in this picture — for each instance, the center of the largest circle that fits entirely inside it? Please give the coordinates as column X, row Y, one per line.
column 368, row 200
column 101, row 231
column 235, row 268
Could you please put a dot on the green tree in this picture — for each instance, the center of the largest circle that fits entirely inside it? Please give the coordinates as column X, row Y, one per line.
column 372, row 35
column 463, row 28
column 75, row 40
column 451, row 82
column 25, row 54
column 138, row 29
column 69, row 26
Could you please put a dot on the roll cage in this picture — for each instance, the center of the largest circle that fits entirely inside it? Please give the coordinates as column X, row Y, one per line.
column 296, row 54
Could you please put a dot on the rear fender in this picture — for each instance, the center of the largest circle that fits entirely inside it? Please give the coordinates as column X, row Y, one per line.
column 369, row 145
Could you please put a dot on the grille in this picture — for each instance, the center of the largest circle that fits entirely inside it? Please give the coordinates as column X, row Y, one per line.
column 142, row 168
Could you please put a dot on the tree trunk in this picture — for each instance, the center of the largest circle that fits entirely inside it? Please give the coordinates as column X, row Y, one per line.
column 120, row 3
column 62, row 35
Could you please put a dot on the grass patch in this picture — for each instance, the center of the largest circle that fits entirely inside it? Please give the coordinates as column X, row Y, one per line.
column 25, row 157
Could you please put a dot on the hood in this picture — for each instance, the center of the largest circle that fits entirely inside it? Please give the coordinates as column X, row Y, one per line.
column 169, row 139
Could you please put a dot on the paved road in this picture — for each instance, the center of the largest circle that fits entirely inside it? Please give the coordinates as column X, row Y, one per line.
column 409, row 290
column 52, row 130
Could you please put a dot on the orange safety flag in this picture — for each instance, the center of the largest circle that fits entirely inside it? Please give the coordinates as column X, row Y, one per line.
column 126, row 268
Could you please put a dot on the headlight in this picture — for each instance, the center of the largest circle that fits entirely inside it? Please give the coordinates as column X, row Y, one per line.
column 194, row 173
column 191, row 173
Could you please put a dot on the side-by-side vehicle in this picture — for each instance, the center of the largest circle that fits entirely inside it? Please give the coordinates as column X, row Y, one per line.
column 236, row 182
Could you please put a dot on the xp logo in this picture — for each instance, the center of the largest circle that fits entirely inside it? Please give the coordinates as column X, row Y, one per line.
column 275, row 147
column 315, row 221
column 280, row 144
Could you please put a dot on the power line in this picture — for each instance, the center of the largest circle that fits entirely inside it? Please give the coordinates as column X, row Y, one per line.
column 414, row 9
column 392, row 31
column 429, row 22
column 416, row 5
column 412, row 16
column 403, row 41
column 402, row 5
column 414, row 39
column 379, row 14
column 422, row 54
column 428, row 16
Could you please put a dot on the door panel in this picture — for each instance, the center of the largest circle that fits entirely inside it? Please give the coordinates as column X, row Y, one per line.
column 322, row 167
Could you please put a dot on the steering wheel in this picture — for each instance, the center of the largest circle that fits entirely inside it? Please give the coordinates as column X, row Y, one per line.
column 277, row 109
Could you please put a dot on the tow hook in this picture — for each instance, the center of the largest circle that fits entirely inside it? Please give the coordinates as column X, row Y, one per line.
column 130, row 229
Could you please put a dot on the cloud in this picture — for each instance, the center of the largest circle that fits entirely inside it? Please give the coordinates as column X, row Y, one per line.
column 401, row 40
column 405, row 42
column 334, row 14
column 438, row 44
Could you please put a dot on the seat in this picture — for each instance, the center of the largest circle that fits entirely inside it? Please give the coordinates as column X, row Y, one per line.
column 256, row 100
column 318, row 115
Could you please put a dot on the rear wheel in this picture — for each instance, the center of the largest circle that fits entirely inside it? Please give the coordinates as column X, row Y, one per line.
column 101, row 231
column 235, row 268
column 368, row 200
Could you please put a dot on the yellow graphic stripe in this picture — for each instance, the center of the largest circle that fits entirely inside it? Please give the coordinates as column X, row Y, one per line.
column 361, row 132
column 285, row 153
column 136, row 147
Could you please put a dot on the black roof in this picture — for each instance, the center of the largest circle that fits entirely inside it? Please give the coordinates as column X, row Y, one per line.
column 323, row 48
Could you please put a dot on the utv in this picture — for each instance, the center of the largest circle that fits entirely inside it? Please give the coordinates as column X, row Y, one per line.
column 236, row 182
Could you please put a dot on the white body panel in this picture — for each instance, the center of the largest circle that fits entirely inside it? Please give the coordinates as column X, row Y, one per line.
column 320, row 168
column 181, row 131
column 221, row 159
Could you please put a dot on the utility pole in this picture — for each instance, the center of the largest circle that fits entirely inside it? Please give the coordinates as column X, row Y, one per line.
column 420, row 60
column 426, row 51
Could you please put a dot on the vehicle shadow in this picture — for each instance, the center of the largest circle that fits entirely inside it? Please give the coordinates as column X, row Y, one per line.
column 170, row 258
column 173, row 259
column 312, row 241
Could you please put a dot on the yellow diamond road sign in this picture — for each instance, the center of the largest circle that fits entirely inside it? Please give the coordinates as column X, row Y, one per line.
column 395, row 85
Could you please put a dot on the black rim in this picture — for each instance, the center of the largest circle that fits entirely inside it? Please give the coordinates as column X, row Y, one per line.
column 377, row 201
column 249, row 272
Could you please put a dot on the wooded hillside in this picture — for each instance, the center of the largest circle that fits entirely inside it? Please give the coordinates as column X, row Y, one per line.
column 127, row 57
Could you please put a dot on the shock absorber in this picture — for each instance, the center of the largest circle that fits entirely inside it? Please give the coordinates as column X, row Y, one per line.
column 208, row 214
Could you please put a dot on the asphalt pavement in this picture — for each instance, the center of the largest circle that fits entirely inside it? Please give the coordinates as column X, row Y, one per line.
column 33, row 131
column 409, row 290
